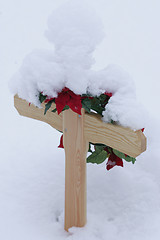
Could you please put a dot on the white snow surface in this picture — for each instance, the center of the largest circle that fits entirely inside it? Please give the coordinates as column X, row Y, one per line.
column 123, row 203
column 75, row 30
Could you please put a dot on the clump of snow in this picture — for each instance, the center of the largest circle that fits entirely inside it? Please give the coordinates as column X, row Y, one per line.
column 75, row 25
column 75, row 31
column 123, row 106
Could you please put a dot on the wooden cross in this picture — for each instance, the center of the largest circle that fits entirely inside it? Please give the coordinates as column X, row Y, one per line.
column 78, row 131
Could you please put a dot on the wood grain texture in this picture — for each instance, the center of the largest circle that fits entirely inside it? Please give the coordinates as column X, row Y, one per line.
column 125, row 140
column 76, row 148
column 78, row 131
column 31, row 111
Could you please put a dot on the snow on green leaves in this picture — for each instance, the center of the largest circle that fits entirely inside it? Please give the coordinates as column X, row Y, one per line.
column 68, row 99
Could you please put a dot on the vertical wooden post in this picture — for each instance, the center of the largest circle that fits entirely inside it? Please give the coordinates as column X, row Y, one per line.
column 76, row 148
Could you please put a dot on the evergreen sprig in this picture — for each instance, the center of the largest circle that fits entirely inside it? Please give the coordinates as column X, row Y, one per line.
column 98, row 152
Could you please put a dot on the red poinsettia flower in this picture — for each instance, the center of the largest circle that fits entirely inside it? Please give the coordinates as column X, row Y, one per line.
column 69, row 98
column 61, row 142
column 113, row 161
column 108, row 94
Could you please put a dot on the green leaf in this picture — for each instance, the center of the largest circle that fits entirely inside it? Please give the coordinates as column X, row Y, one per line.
column 86, row 104
column 113, row 122
column 96, row 105
column 99, row 146
column 54, row 110
column 125, row 157
column 119, row 154
column 130, row 159
column 95, row 101
column 47, row 106
column 98, row 109
column 42, row 98
column 102, row 98
column 98, row 156
column 65, row 108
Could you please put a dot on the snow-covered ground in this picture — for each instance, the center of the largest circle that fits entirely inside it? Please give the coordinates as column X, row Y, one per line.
column 123, row 203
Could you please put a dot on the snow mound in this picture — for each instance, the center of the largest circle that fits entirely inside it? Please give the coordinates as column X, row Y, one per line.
column 75, row 30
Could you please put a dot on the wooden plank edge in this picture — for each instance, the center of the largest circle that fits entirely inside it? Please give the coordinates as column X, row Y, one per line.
column 142, row 139
column 31, row 111
column 138, row 139
column 55, row 120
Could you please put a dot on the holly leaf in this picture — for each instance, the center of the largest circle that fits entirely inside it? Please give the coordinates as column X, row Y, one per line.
column 47, row 107
column 42, row 98
column 124, row 156
column 98, row 156
column 86, row 104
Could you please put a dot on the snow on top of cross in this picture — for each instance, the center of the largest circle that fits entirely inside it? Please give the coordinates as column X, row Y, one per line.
column 75, row 31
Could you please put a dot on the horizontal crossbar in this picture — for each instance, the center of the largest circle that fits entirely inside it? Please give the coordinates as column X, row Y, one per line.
column 125, row 140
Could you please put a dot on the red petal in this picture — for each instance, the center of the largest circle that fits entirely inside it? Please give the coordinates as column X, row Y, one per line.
column 113, row 160
column 108, row 94
column 61, row 101
column 75, row 104
column 75, row 109
column 59, row 107
column 61, row 142
column 110, row 165
column 72, row 94
column 65, row 89
column 67, row 97
column 119, row 162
